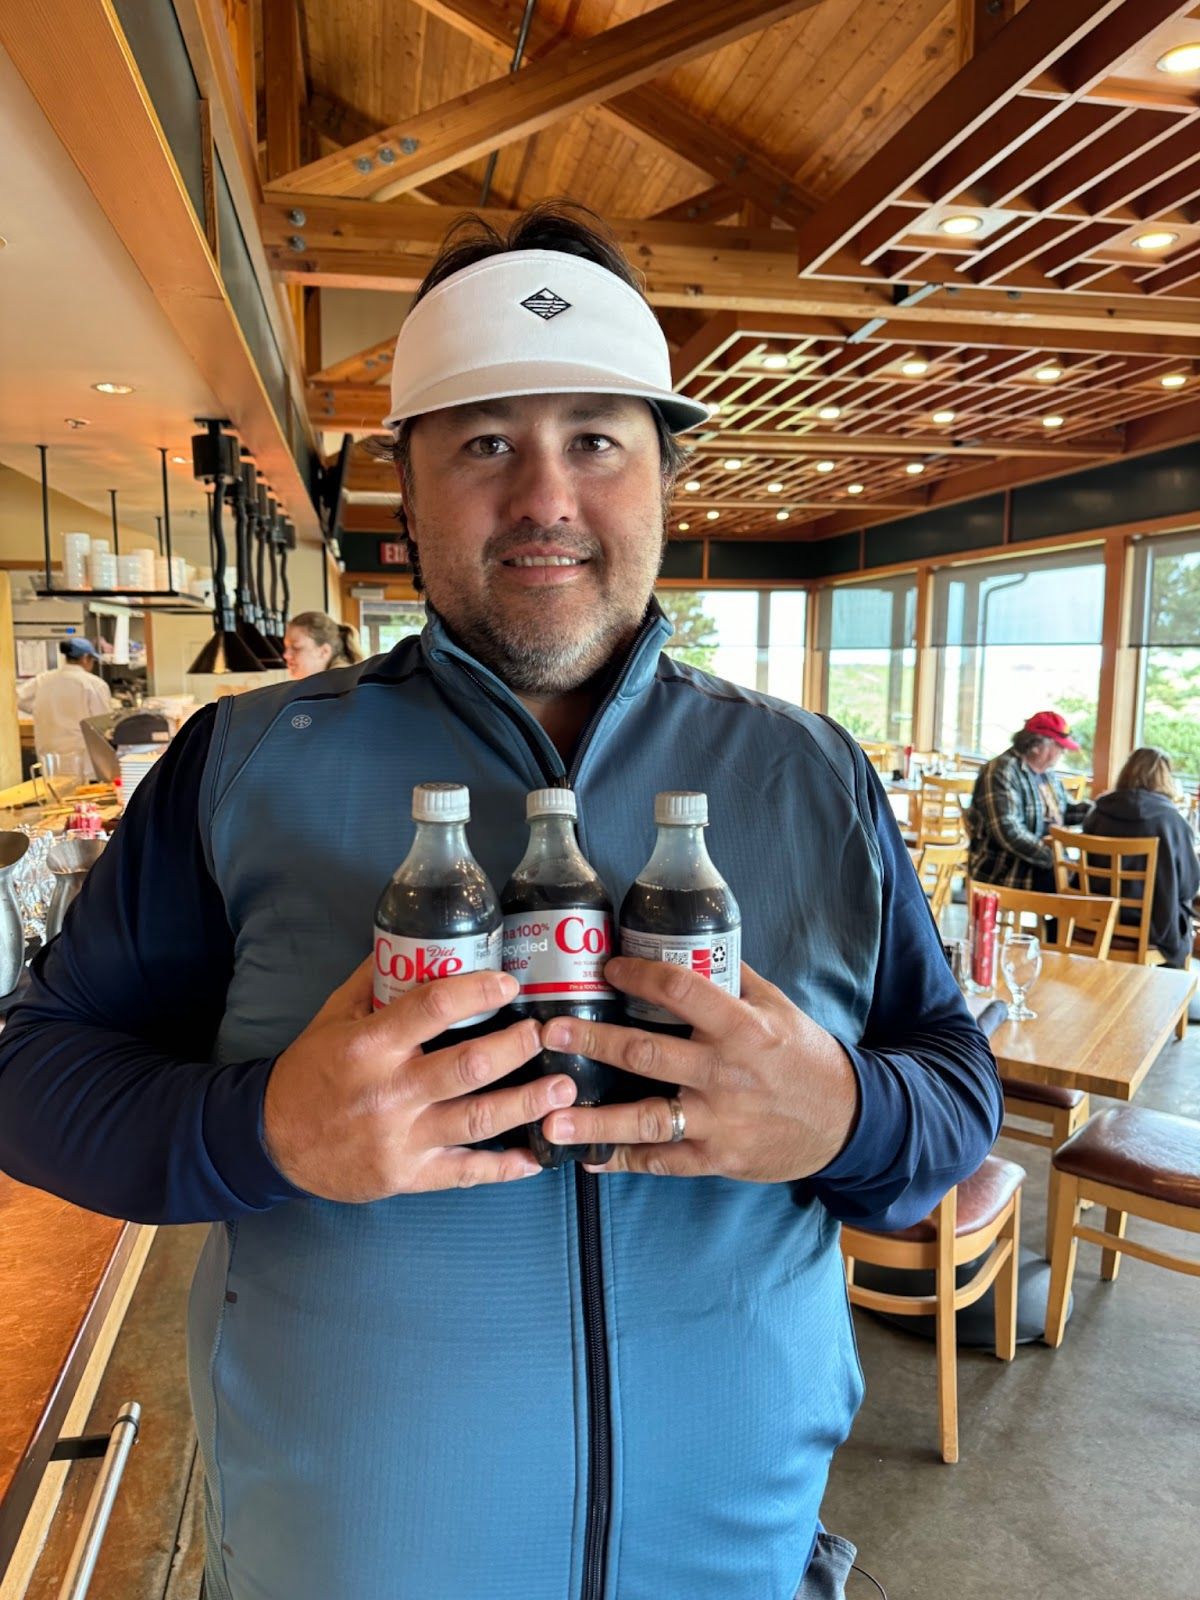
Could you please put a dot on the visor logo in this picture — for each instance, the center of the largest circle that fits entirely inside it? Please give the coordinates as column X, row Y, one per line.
column 546, row 304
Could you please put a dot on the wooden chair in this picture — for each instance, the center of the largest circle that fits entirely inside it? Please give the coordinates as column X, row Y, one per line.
column 940, row 819
column 1075, row 924
column 1083, row 926
column 1075, row 783
column 981, row 1218
column 938, row 865
column 881, row 756
column 1133, row 1161
column 1092, row 872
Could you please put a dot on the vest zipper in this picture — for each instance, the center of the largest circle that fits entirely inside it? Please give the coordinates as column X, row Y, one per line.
column 591, row 1274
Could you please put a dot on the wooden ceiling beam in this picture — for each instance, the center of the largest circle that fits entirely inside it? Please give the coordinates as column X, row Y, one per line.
column 650, row 115
column 879, row 444
column 705, row 346
column 577, row 75
column 353, row 244
column 373, row 362
column 339, row 123
column 979, row 21
column 283, row 76
column 711, row 205
column 976, row 97
column 994, row 336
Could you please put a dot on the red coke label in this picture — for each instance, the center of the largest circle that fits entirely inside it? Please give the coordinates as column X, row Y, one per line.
column 559, row 954
column 401, row 963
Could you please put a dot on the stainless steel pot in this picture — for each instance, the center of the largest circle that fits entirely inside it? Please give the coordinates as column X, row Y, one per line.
column 70, row 862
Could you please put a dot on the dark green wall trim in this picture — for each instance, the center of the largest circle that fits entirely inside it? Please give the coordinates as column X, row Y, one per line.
column 1163, row 485
column 684, row 559
column 974, row 525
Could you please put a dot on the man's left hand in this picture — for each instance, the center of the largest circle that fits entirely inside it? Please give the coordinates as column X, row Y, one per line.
column 768, row 1095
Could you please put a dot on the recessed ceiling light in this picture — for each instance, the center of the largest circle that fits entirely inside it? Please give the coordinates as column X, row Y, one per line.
column 732, row 463
column 1173, row 380
column 1049, row 373
column 775, row 362
column 712, row 515
column 915, row 468
column 914, row 367
column 774, row 488
column 113, row 388
column 1158, row 239
column 1052, row 422
column 180, row 461
column 684, row 526
column 77, row 422
column 829, row 413
column 961, row 225
column 824, row 466
column 943, row 417
column 692, row 485
column 1184, row 58
column 854, row 488
column 782, row 516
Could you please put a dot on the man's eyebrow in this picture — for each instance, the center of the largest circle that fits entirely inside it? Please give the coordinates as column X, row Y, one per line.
column 593, row 408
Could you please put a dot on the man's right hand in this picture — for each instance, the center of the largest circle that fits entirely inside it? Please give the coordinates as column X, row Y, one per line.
column 355, row 1111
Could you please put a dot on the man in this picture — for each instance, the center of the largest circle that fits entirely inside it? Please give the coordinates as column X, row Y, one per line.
column 415, row 1378
column 61, row 698
column 1017, row 799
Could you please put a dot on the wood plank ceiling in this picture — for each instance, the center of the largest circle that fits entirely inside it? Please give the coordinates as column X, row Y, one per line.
column 914, row 250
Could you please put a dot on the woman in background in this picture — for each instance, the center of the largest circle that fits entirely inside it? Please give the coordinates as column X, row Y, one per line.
column 314, row 642
column 1143, row 806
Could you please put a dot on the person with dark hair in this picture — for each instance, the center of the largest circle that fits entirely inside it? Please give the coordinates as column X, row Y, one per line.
column 1143, row 805
column 59, row 700
column 313, row 642
column 1017, row 799
column 420, row 1364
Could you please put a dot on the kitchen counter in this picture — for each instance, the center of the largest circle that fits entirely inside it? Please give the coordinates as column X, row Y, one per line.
column 65, row 1279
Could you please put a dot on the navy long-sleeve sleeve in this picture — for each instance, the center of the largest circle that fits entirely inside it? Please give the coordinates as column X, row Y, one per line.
column 108, row 1096
column 930, row 1102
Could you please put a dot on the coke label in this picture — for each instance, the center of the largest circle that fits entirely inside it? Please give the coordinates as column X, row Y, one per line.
column 559, row 954
column 402, row 963
column 715, row 956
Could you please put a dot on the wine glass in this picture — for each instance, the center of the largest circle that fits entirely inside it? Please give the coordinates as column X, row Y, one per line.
column 1021, row 964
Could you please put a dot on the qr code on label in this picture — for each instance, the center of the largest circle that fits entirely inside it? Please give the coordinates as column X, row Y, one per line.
column 677, row 958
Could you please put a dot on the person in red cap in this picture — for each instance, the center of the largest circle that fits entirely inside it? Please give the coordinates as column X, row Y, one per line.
column 1017, row 799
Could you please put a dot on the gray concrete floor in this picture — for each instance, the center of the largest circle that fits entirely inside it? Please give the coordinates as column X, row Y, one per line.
column 1079, row 1473
column 1079, row 1476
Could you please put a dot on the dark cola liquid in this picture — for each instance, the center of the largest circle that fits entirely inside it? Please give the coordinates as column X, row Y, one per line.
column 684, row 912
column 596, row 1081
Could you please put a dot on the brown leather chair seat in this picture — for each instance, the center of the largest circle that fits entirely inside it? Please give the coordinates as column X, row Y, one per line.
column 981, row 1199
column 1043, row 1094
column 1151, row 1153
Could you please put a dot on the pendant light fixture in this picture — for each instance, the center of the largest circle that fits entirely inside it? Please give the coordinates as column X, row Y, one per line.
column 215, row 460
column 244, row 495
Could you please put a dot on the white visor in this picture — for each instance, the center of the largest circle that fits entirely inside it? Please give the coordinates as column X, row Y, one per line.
column 533, row 322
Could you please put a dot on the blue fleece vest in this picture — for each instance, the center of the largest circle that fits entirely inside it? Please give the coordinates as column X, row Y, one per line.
column 391, row 1398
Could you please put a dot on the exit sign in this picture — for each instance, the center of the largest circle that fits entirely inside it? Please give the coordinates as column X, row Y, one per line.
column 393, row 553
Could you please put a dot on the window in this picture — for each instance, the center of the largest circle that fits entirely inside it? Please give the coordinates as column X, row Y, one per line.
column 1015, row 637
column 386, row 622
column 752, row 637
column 867, row 633
column 1166, row 632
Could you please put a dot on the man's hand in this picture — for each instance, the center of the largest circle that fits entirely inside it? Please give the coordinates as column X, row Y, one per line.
column 354, row 1111
column 768, row 1095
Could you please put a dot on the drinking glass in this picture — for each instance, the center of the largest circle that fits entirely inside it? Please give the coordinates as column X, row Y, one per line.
column 1021, row 964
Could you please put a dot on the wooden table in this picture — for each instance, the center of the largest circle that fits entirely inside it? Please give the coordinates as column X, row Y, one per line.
column 1099, row 1024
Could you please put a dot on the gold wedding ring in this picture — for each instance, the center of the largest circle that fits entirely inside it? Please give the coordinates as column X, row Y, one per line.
column 678, row 1121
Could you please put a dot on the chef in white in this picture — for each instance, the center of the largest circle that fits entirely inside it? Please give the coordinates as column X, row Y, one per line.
column 61, row 698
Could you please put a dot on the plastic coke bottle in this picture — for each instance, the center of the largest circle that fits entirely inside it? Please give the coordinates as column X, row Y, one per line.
column 557, row 938
column 438, row 916
column 680, row 909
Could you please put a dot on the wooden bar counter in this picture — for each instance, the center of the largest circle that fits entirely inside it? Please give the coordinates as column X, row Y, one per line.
column 66, row 1276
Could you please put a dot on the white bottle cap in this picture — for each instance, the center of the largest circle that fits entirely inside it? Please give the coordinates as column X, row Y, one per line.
column 551, row 803
column 685, row 808
column 441, row 802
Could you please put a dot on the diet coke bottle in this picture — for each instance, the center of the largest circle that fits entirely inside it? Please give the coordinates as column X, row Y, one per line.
column 438, row 915
column 680, row 909
column 557, row 938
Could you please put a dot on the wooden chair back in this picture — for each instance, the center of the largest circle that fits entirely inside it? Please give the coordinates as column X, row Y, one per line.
column 941, row 813
column 1077, row 925
column 879, row 755
column 1091, row 864
column 1075, row 783
column 938, row 865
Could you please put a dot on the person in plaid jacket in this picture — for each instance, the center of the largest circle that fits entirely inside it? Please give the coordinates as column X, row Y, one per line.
column 1017, row 799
